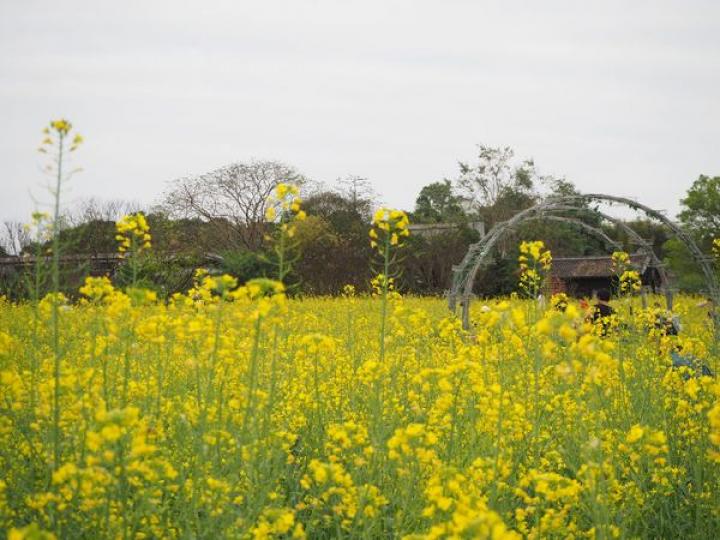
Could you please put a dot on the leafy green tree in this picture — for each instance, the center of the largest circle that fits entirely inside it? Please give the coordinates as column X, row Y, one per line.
column 687, row 276
column 334, row 242
column 347, row 213
column 164, row 274
column 701, row 207
column 559, row 187
column 245, row 265
column 438, row 203
column 499, row 277
column 187, row 235
column 90, row 238
column 428, row 259
column 700, row 216
column 496, row 186
column 653, row 232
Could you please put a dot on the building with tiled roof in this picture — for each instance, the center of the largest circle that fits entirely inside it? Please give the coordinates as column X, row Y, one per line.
column 583, row 276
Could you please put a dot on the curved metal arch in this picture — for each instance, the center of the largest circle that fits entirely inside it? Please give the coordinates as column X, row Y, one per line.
column 594, row 231
column 466, row 272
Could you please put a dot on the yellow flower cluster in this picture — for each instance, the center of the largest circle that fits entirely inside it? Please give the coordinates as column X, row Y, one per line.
column 30, row 532
column 535, row 252
column 61, row 129
column 620, row 260
column 97, row 288
column 389, row 228
column 278, row 523
column 348, row 291
column 61, row 126
column 716, row 247
column 549, row 499
column 333, row 498
column 630, row 282
column 285, row 198
column 413, row 440
column 452, row 499
column 559, row 301
column 535, row 262
column 380, row 282
column 714, row 417
column 133, row 233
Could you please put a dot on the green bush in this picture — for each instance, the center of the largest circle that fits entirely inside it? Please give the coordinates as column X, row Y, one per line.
column 245, row 265
column 166, row 275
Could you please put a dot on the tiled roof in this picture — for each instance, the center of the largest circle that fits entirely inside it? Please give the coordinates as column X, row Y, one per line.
column 589, row 267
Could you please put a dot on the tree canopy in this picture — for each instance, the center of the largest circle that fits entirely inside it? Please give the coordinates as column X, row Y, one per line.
column 701, row 207
column 438, row 203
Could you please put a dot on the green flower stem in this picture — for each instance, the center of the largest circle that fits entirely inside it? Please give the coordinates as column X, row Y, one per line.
column 55, row 321
column 386, row 279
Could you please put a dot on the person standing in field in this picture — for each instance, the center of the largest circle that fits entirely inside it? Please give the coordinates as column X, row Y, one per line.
column 602, row 312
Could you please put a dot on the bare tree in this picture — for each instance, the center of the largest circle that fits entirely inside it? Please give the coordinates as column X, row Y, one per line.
column 95, row 210
column 359, row 191
column 15, row 237
column 232, row 199
column 88, row 227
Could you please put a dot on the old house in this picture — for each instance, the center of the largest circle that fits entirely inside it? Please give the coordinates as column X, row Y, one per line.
column 583, row 276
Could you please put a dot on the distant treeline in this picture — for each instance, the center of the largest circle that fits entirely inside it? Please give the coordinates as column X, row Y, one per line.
column 217, row 221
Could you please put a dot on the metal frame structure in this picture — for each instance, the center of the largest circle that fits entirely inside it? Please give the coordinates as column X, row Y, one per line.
column 477, row 256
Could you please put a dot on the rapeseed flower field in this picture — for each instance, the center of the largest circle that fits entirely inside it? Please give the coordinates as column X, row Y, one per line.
column 238, row 411
column 233, row 412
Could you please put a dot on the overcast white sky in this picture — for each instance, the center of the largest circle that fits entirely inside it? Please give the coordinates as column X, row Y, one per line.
column 618, row 96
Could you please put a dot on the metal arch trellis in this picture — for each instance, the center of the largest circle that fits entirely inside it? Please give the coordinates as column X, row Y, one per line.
column 477, row 255
column 635, row 237
column 594, row 231
column 464, row 274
